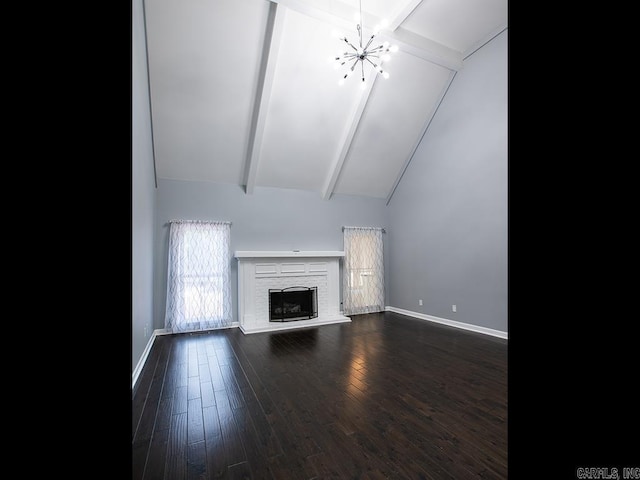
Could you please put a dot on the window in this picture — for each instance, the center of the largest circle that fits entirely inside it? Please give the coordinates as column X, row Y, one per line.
column 363, row 282
column 198, row 285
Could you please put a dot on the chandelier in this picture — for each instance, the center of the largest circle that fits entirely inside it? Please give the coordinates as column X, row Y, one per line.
column 364, row 53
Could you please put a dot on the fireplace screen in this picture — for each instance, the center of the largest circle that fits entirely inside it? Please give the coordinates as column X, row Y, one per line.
column 293, row 303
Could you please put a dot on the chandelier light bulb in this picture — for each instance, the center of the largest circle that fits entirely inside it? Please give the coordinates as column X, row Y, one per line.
column 385, row 75
column 386, row 57
column 341, row 82
column 385, row 44
column 394, row 49
column 363, row 85
column 384, row 23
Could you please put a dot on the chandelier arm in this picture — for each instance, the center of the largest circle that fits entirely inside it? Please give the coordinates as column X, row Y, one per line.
column 362, row 65
column 369, row 42
column 350, row 44
column 374, row 65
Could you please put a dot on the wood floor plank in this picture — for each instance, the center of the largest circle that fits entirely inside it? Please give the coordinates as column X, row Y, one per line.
column 139, row 455
column 240, row 471
column 385, row 396
column 216, row 454
column 193, row 387
column 192, row 358
column 207, row 396
column 229, row 372
column 196, row 461
column 195, row 427
column 163, row 416
column 250, row 440
column 217, row 381
column 291, row 465
column 230, row 432
column 203, row 370
column 180, row 400
column 172, row 377
column 156, row 461
column 176, row 459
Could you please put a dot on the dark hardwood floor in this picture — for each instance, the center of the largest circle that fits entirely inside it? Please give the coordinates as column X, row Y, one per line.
column 386, row 396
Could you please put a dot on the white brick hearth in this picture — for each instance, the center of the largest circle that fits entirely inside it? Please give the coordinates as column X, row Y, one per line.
column 259, row 271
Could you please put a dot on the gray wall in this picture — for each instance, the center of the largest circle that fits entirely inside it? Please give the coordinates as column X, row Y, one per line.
column 448, row 216
column 269, row 219
column 142, row 195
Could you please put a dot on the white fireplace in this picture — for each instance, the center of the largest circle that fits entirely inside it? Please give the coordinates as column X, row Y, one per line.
column 262, row 271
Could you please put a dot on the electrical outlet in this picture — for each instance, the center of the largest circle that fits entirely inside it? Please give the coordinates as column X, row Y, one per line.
column 453, row 308
column 419, row 302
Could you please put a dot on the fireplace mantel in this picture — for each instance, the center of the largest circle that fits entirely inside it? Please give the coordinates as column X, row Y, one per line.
column 259, row 271
column 287, row 254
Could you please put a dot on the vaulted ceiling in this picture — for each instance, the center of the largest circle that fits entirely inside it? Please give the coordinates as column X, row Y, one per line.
column 243, row 92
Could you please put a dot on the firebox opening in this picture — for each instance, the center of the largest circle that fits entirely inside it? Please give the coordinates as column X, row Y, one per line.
column 293, row 303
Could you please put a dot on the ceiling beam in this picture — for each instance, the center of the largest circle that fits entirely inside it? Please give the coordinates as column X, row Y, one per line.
column 403, row 13
column 271, row 46
column 347, row 139
column 424, row 48
column 452, row 74
column 483, row 41
column 341, row 15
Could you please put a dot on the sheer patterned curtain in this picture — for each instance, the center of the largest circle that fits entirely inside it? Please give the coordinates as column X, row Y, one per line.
column 363, row 271
column 198, row 281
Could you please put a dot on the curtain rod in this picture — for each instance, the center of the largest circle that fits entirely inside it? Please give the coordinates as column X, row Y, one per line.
column 367, row 228
column 197, row 221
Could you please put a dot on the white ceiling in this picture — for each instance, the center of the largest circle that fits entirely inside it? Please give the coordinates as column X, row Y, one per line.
column 243, row 92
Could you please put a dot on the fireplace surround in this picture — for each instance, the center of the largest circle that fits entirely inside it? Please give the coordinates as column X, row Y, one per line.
column 263, row 272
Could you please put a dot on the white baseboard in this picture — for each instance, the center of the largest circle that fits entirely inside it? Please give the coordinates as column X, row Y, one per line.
column 145, row 354
column 451, row 323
